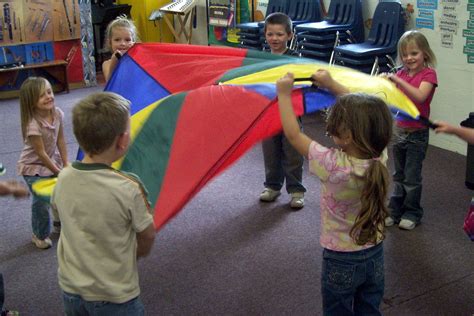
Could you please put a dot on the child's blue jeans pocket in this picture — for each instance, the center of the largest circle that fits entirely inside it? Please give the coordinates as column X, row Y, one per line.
column 338, row 276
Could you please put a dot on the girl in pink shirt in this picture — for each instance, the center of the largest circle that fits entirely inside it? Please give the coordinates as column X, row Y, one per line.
column 44, row 152
column 354, row 181
column 418, row 80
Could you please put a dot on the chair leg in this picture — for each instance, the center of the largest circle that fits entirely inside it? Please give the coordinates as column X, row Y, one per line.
column 375, row 67
column 336, row 44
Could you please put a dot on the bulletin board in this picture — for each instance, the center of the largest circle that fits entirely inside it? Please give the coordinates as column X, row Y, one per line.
column 66, row 20
column 29, row 21
column 12, row 20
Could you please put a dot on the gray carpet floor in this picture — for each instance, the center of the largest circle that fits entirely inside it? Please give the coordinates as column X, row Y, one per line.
column 228, row 254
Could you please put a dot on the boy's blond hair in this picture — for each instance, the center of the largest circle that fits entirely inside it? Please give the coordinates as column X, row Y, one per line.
column 98, row 120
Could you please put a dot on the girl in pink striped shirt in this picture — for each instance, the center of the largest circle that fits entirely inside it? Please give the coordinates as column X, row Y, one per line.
column 44, row 152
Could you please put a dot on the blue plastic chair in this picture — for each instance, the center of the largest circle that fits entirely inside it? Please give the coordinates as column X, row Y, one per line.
column 388, row 25
column 303, row 11
column 343, row 15
column 317, row 40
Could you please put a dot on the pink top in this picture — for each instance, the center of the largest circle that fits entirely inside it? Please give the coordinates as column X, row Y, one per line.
column 29, row 163
column 340, row 194
column 428, row 75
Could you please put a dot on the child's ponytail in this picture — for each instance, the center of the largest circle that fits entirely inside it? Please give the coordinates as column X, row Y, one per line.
column 370, row 124
column 369, row 224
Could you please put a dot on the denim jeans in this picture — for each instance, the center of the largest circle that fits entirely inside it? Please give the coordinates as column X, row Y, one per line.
column 352, row 283
column 39, row 210
column 282, row 162
column 74, row 305
column 408, row 154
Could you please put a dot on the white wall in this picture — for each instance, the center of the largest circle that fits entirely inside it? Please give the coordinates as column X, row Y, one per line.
column 454, row 97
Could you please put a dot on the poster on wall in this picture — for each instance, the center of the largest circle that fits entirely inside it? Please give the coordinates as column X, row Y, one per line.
column 222, row 13
column 11, row 27
column 468, row 33
column 260, row 10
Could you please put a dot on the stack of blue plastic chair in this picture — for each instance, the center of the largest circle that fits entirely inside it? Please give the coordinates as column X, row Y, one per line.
column 299, row 11
column 317, row 40
column 250, row 33
column 388, row 25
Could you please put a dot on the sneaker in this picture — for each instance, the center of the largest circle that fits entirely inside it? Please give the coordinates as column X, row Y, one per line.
column 297, row 200
column 389, row 221
column 56, row 227
column 406, row 224
column 269, row 195
column 42, row 243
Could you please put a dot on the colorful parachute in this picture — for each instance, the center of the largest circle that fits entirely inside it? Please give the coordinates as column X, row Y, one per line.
column 196, row 109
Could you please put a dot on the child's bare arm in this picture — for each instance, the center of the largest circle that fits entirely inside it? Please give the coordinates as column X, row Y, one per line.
column 145, row 240
column 14, row 188
column 62, row 147
column 322, row 78
column 419, row 95
column 38, row 146
column 464, row 133
column 288, row 118
column 108, row 66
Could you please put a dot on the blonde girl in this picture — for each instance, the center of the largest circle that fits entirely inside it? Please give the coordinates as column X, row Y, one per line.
column 354, row 182
column 44, row 152
column 120, row 35
column 418, row 80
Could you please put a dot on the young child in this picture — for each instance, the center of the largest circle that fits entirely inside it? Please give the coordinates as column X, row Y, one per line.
column 120, row 36
column 418, row 80
column 282, row 162
column 354, row 182
column 44, row 152
column 105, row 215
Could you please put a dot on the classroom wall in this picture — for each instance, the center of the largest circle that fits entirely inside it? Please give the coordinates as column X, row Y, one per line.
column 453, row 100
